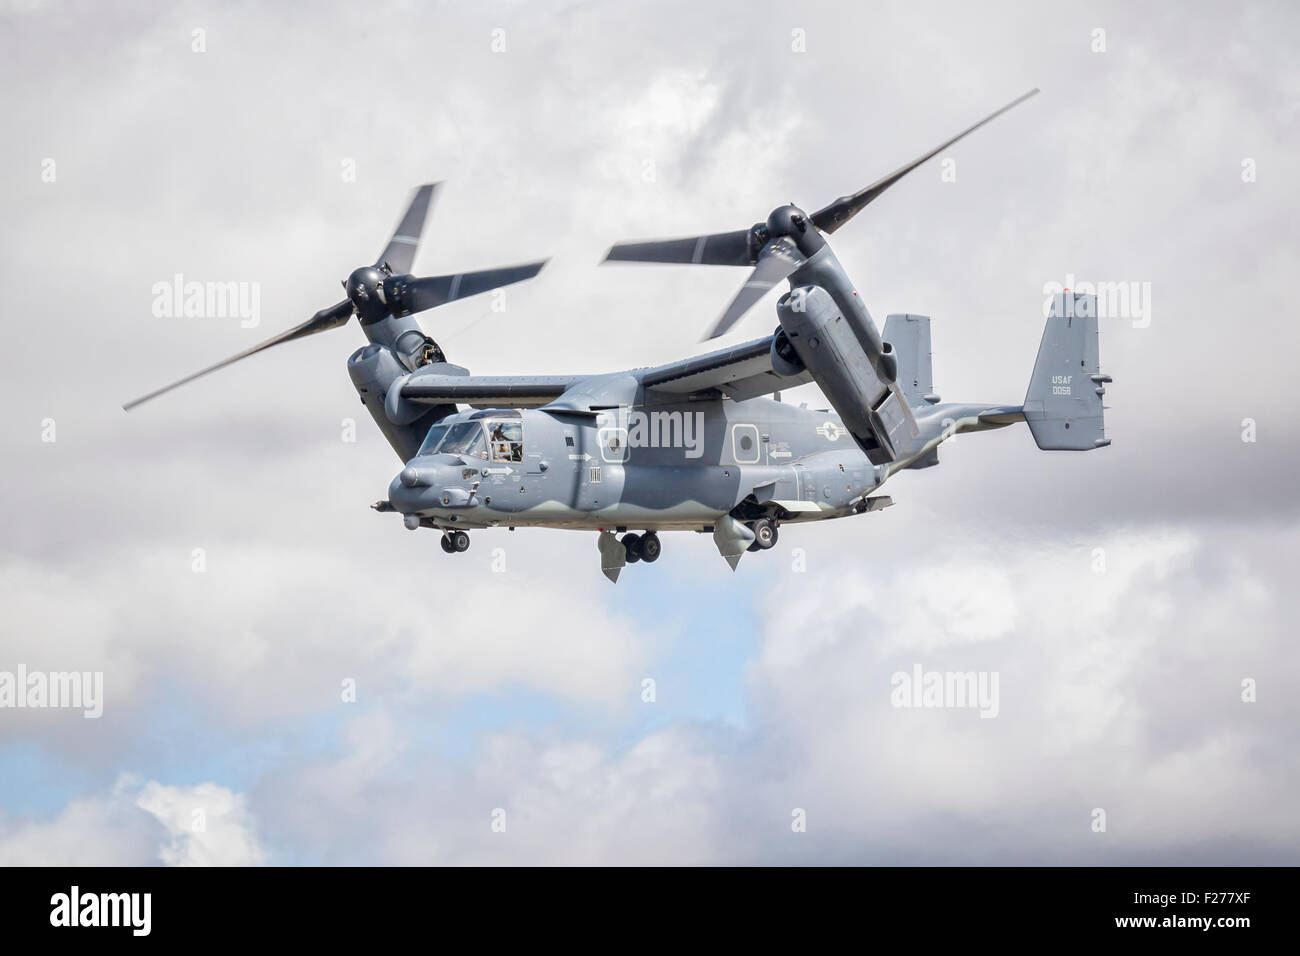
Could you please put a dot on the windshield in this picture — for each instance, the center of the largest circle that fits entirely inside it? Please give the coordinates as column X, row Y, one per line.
column 465, row 438
column 431, row 440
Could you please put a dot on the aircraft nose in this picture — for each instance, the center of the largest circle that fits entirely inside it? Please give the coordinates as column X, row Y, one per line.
column 397, row 493
column 421, row 487
column 408, row 493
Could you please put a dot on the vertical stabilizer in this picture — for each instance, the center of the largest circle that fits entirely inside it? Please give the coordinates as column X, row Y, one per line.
column 910, row 337
column 1063, row 406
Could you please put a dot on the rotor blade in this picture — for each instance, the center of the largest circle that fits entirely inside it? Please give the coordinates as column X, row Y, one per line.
column 330, row 318
column 718, row 249
column 776, row 262
column 400, row 252
column 416, row 295
column 846, row 207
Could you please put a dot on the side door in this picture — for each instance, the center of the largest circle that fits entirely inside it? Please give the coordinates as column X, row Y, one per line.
column 602, row 453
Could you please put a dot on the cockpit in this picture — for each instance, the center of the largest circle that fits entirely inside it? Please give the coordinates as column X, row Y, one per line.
column 492, row 439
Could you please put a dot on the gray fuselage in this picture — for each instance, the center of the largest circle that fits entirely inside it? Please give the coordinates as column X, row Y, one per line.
column 655, row 468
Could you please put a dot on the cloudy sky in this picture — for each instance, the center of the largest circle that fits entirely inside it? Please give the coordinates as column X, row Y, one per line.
column 213, row 555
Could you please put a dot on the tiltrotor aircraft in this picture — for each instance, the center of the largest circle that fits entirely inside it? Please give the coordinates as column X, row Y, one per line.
column 695, row 445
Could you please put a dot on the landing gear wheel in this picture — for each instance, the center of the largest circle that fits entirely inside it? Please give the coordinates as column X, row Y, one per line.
column 632, row 543
column 764, row 534
column 650, row 547
column 459, row 541
column 446, row 544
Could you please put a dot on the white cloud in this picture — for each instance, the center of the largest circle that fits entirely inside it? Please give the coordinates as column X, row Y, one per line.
column 1119, row 690
column 268, row 631
column 1089, row 667
column 207, row 825
column 138, row 823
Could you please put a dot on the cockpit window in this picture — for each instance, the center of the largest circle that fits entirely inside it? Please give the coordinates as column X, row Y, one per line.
column 465, row 438
column 431, row 440
column 507, row 439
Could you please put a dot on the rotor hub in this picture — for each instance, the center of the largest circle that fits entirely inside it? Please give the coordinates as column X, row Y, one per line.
column 365, row 289
column 787, row 221
column 791, row 222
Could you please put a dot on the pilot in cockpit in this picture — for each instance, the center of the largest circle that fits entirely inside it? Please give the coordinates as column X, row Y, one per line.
column 507, row 441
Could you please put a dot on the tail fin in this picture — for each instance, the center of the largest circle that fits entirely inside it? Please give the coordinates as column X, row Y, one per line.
column 1063, row 406
column 910, row 337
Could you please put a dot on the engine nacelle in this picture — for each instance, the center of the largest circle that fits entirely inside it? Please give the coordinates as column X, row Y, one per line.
column 785, row 360
column 875, row 412
column 376, row 372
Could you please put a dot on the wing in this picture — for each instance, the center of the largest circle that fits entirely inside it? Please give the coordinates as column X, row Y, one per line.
column 740, row 372
column 487, row 391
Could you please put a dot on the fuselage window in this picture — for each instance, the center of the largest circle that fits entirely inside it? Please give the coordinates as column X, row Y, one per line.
column 507, row 441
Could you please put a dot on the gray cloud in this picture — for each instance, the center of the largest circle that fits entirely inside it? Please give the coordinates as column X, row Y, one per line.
column 1121, row 689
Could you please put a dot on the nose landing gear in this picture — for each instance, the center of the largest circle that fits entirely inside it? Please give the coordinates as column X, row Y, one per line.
column 454, row 542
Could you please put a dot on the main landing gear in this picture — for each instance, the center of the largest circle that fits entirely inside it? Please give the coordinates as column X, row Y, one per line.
column 765, row 534
column 642, row 547
column 616, row 553
column 454, row 542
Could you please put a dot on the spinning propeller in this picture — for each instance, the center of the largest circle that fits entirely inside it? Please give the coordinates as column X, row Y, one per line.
column 384, row 290
column 778, row 247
